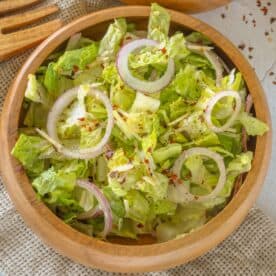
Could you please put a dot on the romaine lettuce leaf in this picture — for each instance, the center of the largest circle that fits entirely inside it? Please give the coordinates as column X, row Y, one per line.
column 162, row 154
column 77, row 59
column 159, row 21
column 28, row 150
column 136, row 206
column 112, row 39
column 252, row 125
column 35, row 91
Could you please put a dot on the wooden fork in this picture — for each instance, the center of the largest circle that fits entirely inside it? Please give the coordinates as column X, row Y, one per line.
column 14, row 42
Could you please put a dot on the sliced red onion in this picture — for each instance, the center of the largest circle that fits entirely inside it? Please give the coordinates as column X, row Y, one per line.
column 72, row 42
column 248, row 103
column 212, row 102
column 61, row 103
column 135, row 83
column 215, row 61
column 123, row 168
column 195, row 47
column 104, row 204
column 93, row 213
column 206, row 152
column 248, row 106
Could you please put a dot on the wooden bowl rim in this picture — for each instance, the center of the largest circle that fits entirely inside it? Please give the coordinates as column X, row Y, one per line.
column 115, row 257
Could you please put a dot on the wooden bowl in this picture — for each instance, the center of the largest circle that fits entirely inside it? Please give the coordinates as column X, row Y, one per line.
column 189, row 6
column 128, row 257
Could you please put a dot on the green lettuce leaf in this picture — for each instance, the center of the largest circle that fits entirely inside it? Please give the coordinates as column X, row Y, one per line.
column 27, row 150
column 76, row 59
column 171, row 151
column 136, row 206
column 143, row 103
column 154, row 186
column 112, row 39
column 159, row 21
column 253, row 126
column 186, row 218
column 35, row 91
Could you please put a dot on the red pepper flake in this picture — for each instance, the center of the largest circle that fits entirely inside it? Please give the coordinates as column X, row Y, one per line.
column 81, row 119
column 146, row 161
column 109, row 154
column 150, row 149
column 274, row 82
column 222, row 15
column 271, row 73
column 258, row 2
column 174, row 177
column 272, row 20
column 241, row 46
column 250, row 57
column 250, row 49
column 179, row 181
column 243, row 18
column 266, row 33
column 140, row 225
column 128, row 37
column 264, row 10
column 164, row 50
column 90, row 128
column 75, row 68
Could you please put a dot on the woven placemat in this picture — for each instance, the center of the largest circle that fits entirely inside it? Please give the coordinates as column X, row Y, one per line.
column 251, row 250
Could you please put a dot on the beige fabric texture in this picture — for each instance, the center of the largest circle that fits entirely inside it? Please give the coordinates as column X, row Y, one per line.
column 251, row 250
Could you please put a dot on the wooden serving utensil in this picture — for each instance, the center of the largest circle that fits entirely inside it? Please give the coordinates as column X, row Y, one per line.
column 189, row 6
column 14, row 42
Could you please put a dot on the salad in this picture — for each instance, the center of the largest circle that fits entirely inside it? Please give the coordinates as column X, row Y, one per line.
column 138, row 133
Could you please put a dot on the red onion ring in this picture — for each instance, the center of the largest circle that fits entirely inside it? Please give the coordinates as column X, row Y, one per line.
column 216, row 63
column 248, row 106
column 61, row 103
column 93, row 213
column 104, row 204
column 206, row 152
column 135, row 83
column 212, row 102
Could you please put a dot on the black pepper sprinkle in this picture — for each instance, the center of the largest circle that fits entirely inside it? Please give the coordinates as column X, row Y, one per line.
column 243, row 18
column 250, row 14
column 274, row 82
column 250, row 49
column 272, row 20
column 266, row 33
column 258, row 2
column 222, row 15
column 268, row 3
column 250, row 57
column 241, row 46
column 271, row 73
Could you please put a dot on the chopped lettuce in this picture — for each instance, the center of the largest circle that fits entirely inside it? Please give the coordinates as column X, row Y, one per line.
column 75, row 60
column 110, row 43
column 35, row 91
column 253, row 126
column 28, row 150
column 159, row 22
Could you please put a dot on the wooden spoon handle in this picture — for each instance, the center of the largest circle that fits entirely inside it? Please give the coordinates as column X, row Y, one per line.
column 12, row 5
